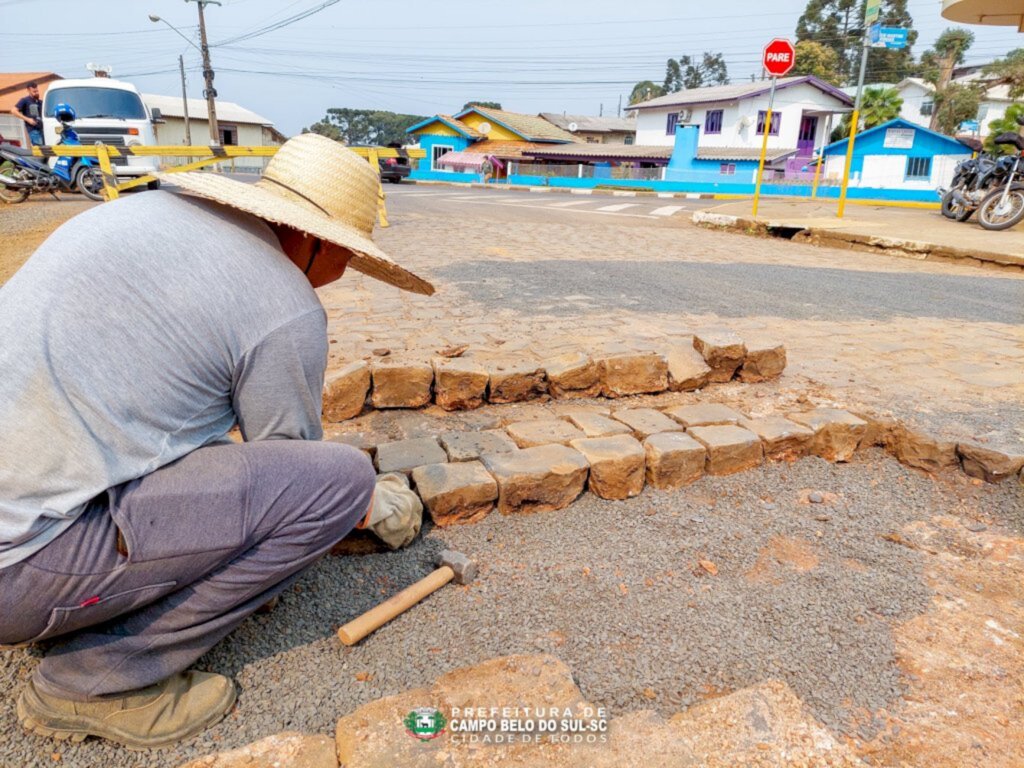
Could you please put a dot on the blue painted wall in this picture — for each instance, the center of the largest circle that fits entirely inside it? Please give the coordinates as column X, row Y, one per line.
column 926, row 143
column 423, row 172
column 684, row 165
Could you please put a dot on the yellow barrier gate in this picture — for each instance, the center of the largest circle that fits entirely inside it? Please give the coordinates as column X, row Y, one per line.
column 206, row 155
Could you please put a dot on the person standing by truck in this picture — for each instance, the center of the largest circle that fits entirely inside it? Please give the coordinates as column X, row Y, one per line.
column 30, row 109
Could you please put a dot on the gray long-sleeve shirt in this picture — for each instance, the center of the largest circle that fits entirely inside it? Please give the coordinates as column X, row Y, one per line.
column 139, row 331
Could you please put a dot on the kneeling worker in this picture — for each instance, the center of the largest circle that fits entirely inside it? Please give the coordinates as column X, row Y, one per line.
column 131, row 342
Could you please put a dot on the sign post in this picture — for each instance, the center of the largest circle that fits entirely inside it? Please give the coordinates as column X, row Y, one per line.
column 778, row 58
column 872, row 15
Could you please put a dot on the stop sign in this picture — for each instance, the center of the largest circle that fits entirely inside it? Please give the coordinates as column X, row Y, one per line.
column 779, row 57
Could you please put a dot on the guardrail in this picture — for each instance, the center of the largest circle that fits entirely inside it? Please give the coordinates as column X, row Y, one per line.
column 207, row 155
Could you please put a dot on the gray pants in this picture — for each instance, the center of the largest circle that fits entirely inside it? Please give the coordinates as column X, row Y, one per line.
column 209, row 539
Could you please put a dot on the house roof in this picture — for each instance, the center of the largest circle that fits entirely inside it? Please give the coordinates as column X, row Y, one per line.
column 12, row 86
column 505, row 150
column 603, row 152
column 838, row 147
column 530, row 127
column 736, row 91
column 743, row 153
column 590, row 124
column 227, row 111
column 456, row 125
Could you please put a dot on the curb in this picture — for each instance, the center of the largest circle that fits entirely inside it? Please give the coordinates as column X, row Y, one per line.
column 566, row 190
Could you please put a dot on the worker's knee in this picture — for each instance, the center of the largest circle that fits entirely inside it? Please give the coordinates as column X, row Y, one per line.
column 348, row 480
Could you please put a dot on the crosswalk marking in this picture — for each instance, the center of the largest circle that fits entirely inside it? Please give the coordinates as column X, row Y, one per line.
column 568, row 203
column 619, row 207
column 667, row 210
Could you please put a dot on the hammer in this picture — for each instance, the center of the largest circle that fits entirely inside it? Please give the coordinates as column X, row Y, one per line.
column 452, row 566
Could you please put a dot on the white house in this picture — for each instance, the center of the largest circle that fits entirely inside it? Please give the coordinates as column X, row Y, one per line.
column 238, row 127
column 919, row 101
column 732, row 117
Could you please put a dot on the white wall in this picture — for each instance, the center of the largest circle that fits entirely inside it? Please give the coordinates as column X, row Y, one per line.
column 914, row 97
column 889, row 171
column 792, row 102
column 173, row 132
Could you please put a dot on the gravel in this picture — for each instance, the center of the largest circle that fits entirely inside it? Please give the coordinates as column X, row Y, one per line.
column 612, row 588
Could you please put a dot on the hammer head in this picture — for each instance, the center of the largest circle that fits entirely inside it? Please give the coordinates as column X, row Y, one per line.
column 464, row 568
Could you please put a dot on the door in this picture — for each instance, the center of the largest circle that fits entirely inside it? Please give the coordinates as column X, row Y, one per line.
column 805, row 139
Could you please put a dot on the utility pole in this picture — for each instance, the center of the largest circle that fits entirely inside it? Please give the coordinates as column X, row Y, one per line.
column 184, row 101
column 209, row 92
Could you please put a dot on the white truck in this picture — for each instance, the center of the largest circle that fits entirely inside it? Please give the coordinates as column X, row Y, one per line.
column 108, row 110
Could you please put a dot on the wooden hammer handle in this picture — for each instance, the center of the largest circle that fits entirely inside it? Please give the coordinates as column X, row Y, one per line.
column 361, row 626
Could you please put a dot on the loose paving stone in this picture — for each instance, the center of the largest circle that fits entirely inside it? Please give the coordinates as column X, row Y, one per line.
column 528, row 434
column 673, row 459
column 538, row 479
column 459, row 384
column 573, row 375
column 596, row 425
column 704, row 414
column 283, row 750
column 782, row 438
column 730, row 448
column 466, row 446
column 687, row 369
column 463, row 492
column 406, row 455
column 632, row 373
column 646, row 422
column 992, row 463
column 616, row 465
column 514, row 381
column 837, row 433
column 722, row 350
column 365, row 443
column 401, row 384
column 920, row 450
column 764, row 360
column 345, row 391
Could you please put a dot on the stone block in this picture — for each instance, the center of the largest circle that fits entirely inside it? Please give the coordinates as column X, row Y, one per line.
column 633, row 373
column 722, row 350
column 459, row 384
column 765, row 360
column 283, row 750
column 513, row 381
column 401, row 384
column 616, row 465
column 463, row 492
column 345, row 391
column 466, row 446
column 687, row 369
column 596, row 425
column 782, row 438
column 730, row 448
column 917, row 449
column 991, row 462
column 704, row 414
column 528, row 434
column 646, row 422
column 674, row 459
column 538, row 479
column 573, row 375
column 406, row 455
column 361, row 442
column 837, row 433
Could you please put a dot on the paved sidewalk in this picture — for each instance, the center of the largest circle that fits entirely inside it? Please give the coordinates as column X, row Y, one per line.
column 921, row 233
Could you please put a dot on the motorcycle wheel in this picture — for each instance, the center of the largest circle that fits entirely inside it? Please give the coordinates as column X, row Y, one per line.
column 954, row 210
column 12, row 196
column 995, row 216
column 89, row 181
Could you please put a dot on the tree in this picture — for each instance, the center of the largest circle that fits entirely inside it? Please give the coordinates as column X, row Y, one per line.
column 645, row 90
column 1006, row 124
column 484, row 104
column 1009, row 71
column 835, row 24
column 710, row 70
column 364, row 126
column 818, row 60
column 673, row 77
column 878, row 105
column 954, row 104
column 936, row 67
column 892, row 65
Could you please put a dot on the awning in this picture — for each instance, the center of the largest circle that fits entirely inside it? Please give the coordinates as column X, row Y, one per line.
column 462, row 159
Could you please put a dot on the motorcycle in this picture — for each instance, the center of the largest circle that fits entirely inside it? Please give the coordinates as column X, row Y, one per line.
column 1003, row 207
column 973, row 180
column 21, row 173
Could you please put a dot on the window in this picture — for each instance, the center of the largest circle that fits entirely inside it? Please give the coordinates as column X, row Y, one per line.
column 436, row 153
column 670, row 123
column 927, row 107
column 727, row 169
column 713, row 121
column 90, row 101
column 629, row 139
column 776, row 121
column 228, row 135
column 919, row 168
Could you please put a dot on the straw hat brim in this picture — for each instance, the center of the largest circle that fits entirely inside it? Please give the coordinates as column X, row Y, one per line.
column 251, row 198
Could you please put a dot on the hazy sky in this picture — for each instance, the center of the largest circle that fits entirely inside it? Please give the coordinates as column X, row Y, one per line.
column 415, row 57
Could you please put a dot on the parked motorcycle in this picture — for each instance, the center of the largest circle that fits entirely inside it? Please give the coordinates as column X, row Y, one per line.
column 21, row 173
column 972, row 183
column 1003, row 207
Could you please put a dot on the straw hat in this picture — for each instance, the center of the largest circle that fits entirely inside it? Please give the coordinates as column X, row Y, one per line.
column 317, row 186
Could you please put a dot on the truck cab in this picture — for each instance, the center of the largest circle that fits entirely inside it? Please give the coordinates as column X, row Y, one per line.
column 111, row 111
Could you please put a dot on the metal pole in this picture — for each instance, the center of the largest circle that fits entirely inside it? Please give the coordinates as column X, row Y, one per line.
column 764, row 146
column 821, row 156
column 854, row 121
column 209, row 92
column 184, row 102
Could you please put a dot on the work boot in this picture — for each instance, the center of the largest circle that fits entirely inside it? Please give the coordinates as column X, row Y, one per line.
column 179, row 707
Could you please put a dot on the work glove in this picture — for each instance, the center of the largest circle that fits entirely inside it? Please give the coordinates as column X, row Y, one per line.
column 397, row 512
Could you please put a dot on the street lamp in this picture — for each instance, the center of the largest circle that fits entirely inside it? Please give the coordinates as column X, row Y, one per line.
column 181, row 66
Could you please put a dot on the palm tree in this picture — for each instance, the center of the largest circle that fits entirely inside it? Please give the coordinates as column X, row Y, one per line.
column 877, row 106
